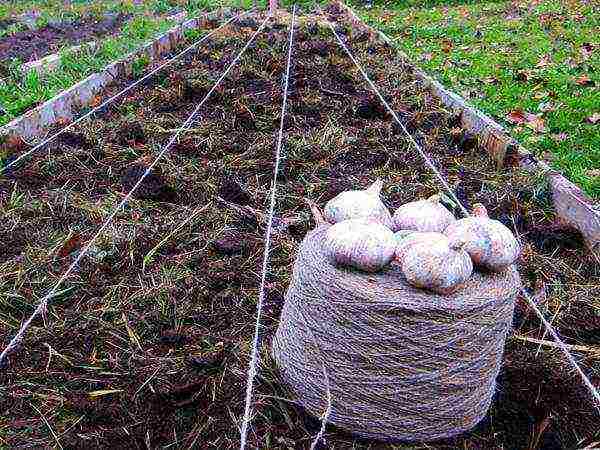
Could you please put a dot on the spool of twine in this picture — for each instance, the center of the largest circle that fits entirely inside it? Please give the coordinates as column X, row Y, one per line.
column 401, row 363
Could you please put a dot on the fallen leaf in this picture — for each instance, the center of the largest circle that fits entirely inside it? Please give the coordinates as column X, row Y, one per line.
column 69, row 246
column 427, row 56
column 490, row 80
column 536, row 123
column 540, row 95
column 546, row 107
column 447, row 45
column 523, row 75
column 516, row 116
column 545, row 61
column 584, row 80
column 532, row 121
column 560, row 137
column 594, row 118
column 594, row 173
column 587, row 50
column 96, row 101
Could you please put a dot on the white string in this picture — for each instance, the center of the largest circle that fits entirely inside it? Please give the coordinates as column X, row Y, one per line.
column 44, row 302
column 428, row 161
column 252, row 370
column 118, row 95
column 586, row 381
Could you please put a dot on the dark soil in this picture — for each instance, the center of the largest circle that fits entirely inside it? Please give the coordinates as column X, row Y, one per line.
column 150, row 344
column 31, row 45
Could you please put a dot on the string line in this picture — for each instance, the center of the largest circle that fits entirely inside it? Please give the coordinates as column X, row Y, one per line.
column 252, row 369
column 571, row 359
column 118, row 95
column 44, row 302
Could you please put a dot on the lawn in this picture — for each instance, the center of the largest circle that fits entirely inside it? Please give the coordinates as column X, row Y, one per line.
column 532, row 65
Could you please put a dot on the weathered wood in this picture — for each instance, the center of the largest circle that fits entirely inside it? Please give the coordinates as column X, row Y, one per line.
column 571, row 205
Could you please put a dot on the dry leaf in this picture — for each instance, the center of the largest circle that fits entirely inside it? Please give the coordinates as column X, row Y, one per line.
column 594, row 118
column 96, row 101
column 447, row 45
column 532, row 121
column 536, row 123
column 584, row 80
column 586, row 50
column 516, row 116
column 560, row 137
column 594, row 173
column 427, row 56
column 545, row 61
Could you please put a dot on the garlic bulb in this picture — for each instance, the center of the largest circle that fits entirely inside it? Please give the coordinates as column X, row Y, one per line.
column 423, row 215
column 363, row 243
column 437, row 264
column 357, row 204
column 406, row 239
column 489, row 243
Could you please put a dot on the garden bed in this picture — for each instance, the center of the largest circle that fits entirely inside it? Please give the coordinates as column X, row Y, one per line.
column 35, row 44
column 148, row 344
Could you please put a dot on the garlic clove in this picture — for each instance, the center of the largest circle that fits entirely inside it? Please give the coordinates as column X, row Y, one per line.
column 423, row 215
column 358, row 204
column 489, row 243
column 438, row 265
column 364, row 244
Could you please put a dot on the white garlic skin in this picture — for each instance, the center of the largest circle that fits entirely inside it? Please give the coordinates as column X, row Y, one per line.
column 364, row 244
column 423, row 215
column 358, row 204
column 489, row 243
column 437, row 265
column 406, row 239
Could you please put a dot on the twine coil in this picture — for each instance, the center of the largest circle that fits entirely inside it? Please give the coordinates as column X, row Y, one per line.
column 401, row 363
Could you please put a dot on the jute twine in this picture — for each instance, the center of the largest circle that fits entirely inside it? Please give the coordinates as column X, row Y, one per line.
column 401, row 363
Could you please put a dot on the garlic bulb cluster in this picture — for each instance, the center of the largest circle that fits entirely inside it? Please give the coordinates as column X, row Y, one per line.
column 423, row 215
column 358, row 204
column 431, row 261
column 362, row 243
column 489, row 243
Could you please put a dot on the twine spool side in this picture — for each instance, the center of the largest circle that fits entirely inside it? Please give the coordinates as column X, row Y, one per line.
column 402, row 363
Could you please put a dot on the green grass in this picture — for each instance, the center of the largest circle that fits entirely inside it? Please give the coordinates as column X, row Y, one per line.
column 493, row 54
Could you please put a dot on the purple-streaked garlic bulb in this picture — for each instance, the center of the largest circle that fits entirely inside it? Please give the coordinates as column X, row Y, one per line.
column 437, row 264
column 406, row 239
column 423, row 215
column 362, row 243
column 357, row 204
column 489, row 243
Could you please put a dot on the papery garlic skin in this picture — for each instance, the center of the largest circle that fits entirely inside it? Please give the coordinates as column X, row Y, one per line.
column 437, row 265
column 423, row 215
column 358, row 204
column 489, row 242
column 364, row 244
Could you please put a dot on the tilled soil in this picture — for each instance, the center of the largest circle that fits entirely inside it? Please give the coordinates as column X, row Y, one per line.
column 148, row 343
column 34, row 44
